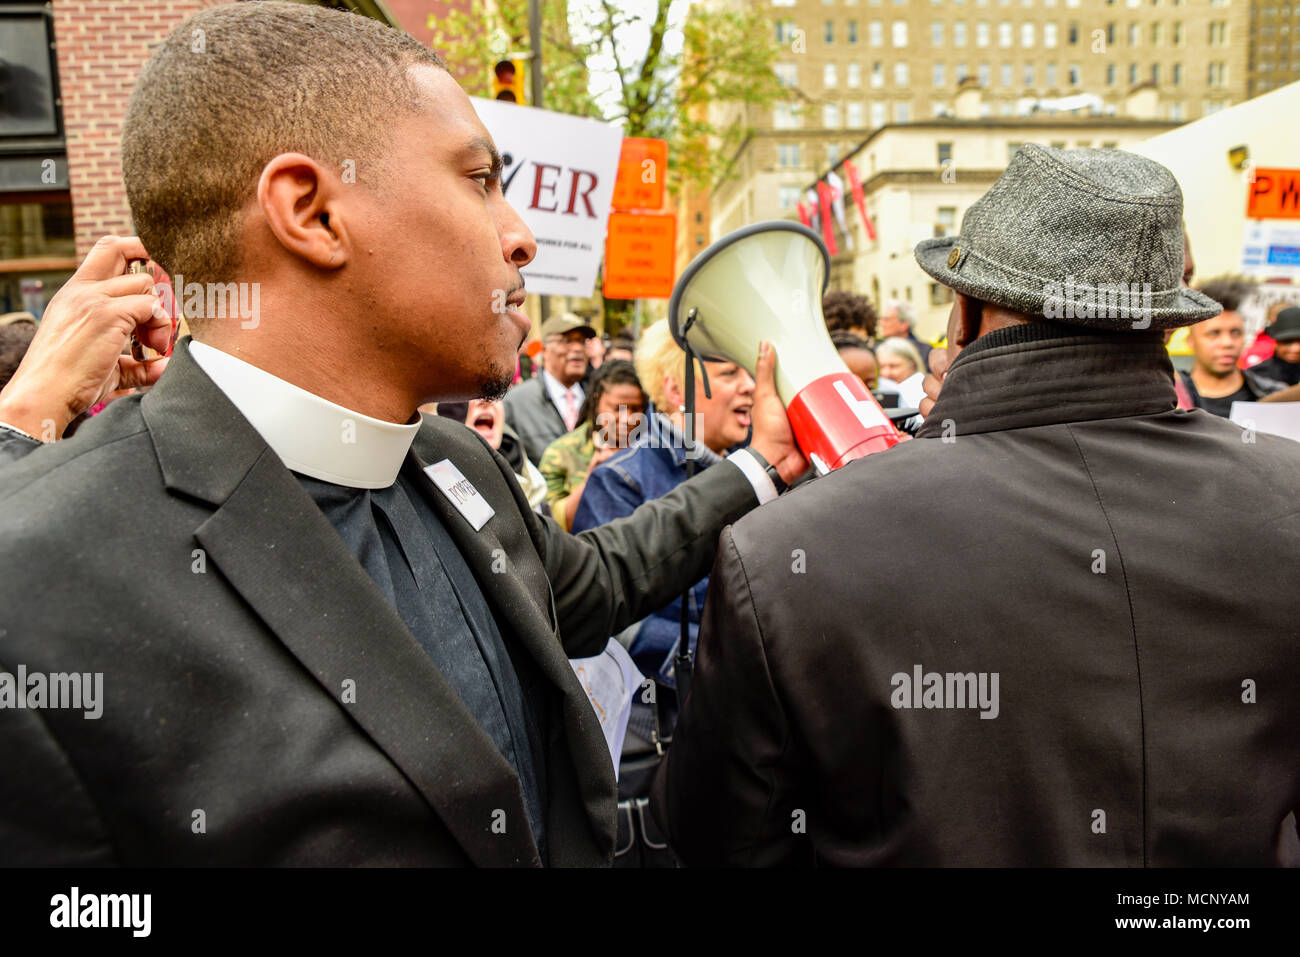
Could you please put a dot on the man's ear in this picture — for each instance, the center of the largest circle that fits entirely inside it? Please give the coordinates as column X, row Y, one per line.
column 300, row 201
column 968, row 313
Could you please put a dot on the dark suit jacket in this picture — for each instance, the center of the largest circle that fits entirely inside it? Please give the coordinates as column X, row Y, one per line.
column 167, row 547
column 534, row 417
column 1125, row 568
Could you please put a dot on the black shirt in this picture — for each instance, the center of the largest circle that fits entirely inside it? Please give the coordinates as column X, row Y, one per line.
column 1222, row 406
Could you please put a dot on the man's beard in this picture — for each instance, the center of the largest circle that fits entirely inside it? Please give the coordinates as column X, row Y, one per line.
column 496, row 384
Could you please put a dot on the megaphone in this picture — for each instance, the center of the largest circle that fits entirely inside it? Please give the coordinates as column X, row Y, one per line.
column 765, row 281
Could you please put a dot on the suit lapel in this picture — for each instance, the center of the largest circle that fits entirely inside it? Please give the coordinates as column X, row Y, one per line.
column 284, row 558
column 519, row 596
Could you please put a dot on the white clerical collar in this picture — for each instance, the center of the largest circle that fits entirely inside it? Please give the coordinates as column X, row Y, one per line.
column 312, row 436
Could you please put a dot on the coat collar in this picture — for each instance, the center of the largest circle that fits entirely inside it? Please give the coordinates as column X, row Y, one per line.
column 280, row 553
column 1049, row 374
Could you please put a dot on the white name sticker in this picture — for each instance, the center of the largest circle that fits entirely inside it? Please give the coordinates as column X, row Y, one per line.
column 460, row 493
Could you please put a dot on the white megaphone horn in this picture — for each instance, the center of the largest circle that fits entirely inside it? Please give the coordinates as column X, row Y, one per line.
column 766, row 281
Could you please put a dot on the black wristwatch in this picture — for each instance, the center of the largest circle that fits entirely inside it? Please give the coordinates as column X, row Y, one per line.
column 770, row 469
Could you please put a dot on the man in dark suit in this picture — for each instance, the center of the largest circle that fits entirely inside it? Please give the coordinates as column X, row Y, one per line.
column 1087, row 676
column 546, row 406
column 290, row 621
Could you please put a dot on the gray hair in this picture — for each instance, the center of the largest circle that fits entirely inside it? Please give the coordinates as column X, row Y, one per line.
column 903, row 311
column 902, row 349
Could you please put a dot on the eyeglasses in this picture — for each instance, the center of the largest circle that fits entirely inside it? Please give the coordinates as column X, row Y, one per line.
column 571, row 339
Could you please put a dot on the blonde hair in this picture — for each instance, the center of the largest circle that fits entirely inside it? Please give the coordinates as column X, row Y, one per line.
column 659, row 357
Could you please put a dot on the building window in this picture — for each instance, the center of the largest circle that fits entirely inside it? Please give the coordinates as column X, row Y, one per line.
column 1110, row 34
column 855, row 116
column 1051, row 75
column 832, row 153
column 854, row 78
column 936, row 33
column 945, row 221
column 982, row 74
column 788, row 155
column 829, row 76
column 831, row 116
column 1110, row 74
column 787, row 74
column 1049, row 35
column 1175, row 111
column 877, row 114
column 853, row 31
column 1178, row 74
column 790, row 196
column 877, row 75
column 1073, row 34
column 1004, row 33
column 785, row 116
column 830, row 31
column 903, row 112
column 944, row 151
column 901, row 73
column 1074, row 74
column 1132, row 74
column 982, row 34
column 1155, row 73
column 938, row 74
column 1006, row 74
column 785, row 30
column 900, row 33
column 1027, row 35
column 962, row 72
column 1178, row 34
column 939, row 108
column 876, row 33
column 1029, row 74
column 1155, row 34
column 959, row 34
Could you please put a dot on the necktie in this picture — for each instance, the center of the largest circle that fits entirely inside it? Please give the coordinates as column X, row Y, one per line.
column 570, row 410
column 405, row 550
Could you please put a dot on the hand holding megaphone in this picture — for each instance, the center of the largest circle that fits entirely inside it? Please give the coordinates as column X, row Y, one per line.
column 773, row 438
column 764, row 283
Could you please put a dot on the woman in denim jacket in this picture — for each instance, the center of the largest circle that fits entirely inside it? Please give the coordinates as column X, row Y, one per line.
column 655, row 463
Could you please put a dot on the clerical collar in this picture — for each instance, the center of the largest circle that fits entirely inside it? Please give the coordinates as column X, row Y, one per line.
column 311, row 435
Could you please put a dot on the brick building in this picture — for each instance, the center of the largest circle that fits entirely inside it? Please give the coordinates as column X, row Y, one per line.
column 67, row 68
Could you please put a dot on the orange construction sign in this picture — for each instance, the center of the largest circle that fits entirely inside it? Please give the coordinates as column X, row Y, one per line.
column 642, row 165
column 1273, row 194
column 640, row 256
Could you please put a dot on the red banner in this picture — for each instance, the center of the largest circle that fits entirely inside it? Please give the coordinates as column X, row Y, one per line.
column 805, row 217
column 828, row 232
column 855, row 186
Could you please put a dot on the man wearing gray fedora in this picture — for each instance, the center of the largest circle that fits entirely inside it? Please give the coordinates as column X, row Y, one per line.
column 1080, row 680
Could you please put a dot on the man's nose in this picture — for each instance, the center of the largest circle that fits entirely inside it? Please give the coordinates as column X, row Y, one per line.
column 746, row 383
column 517, row 242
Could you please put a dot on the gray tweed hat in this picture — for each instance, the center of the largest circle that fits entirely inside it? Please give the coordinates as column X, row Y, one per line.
column 1086, row 237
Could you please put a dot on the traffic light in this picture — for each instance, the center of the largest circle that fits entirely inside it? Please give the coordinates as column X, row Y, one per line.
column 508, row 81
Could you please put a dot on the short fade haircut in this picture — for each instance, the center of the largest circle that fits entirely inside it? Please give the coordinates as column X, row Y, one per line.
column 844, row 310
column 237, row 85
column 1229, row 291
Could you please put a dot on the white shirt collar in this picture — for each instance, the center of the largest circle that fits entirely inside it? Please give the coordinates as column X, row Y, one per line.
column 311, row 435
column 558, row 391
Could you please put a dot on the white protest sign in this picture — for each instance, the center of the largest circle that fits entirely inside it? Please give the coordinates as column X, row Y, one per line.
column 559, row 175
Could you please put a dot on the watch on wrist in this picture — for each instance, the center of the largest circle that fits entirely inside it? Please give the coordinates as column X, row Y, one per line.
column 771, row 471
